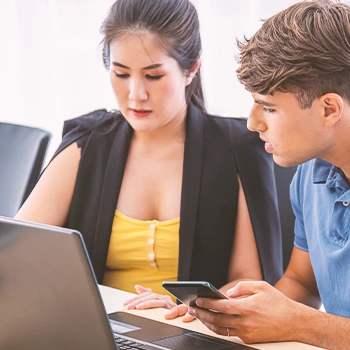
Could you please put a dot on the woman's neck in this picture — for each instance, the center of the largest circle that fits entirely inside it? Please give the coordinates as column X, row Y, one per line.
column 172, row 133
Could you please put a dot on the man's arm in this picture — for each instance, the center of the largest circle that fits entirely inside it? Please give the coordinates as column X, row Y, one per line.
column 298, row 282
column 258, row 312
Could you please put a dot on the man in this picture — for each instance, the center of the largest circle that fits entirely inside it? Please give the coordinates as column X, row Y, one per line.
column 297, row 67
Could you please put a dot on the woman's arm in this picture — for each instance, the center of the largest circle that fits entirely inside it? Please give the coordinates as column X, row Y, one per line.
column 50, row 200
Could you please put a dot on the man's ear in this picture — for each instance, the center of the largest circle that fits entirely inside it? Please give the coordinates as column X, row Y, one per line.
column 190, row 74
column 333, row 106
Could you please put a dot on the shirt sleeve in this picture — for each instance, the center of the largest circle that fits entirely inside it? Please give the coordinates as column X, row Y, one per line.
column 296, row 197
column 78, row 130
column 75, row 129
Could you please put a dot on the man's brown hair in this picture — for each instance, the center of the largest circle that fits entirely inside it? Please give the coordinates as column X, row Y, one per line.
column 304, row 49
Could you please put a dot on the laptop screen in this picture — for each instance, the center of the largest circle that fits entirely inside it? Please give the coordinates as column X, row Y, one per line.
column 48, row 295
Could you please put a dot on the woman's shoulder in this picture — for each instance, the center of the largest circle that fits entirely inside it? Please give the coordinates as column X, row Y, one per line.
column 100, row 119
column 235, row 129
column 80, row 129
column 238, row 122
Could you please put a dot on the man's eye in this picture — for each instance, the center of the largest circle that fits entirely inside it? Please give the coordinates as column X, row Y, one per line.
column 268, row 110
column 154, row 77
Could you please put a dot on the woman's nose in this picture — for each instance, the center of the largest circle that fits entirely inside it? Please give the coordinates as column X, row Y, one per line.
column 137, row 90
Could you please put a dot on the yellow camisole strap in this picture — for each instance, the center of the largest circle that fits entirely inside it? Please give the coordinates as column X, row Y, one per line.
column 142, row 252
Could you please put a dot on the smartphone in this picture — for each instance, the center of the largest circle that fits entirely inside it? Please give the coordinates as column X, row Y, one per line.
column 188, row 291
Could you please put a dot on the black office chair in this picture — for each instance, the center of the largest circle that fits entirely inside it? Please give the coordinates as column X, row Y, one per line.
column 22, row 153
column 283, row 178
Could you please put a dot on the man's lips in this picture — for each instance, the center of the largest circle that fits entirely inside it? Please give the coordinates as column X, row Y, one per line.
column 269, row 147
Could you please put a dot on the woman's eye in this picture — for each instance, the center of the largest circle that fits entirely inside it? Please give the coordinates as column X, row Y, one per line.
column 154, row 77
column 122, row 76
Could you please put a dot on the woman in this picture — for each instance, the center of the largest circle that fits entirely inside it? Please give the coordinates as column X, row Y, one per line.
column 161, row 190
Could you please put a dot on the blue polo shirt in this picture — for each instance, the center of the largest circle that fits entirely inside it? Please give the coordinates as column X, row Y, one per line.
column 320, row 198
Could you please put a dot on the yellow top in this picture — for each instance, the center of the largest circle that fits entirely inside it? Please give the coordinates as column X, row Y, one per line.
column 142, row 252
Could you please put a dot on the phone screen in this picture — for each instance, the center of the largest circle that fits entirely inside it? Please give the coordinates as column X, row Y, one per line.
column 187, row 292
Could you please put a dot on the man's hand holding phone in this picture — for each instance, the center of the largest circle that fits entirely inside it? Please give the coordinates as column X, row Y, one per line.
column 187, row 292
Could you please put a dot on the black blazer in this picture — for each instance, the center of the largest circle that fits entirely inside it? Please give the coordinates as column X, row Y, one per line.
column 216, row 150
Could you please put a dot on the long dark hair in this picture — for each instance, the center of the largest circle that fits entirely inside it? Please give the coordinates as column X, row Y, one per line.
column 174, row 22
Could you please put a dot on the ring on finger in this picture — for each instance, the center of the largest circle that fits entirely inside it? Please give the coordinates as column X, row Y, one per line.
column 228, row 331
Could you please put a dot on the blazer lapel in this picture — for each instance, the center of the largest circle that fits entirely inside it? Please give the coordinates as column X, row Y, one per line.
column 191, row 180
column 109, row 196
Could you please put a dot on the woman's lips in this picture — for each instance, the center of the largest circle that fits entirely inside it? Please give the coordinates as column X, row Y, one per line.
column 140, row 113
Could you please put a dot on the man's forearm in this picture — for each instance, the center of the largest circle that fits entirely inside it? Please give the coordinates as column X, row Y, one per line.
column 298, row 292
column 322, row 329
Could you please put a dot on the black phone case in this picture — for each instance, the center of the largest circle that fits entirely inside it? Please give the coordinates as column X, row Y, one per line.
column 188, row 292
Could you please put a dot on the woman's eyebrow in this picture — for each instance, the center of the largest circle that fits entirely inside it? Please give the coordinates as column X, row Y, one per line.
column 152, row 66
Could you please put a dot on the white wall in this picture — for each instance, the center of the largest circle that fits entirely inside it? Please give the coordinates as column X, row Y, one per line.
column 51, row 70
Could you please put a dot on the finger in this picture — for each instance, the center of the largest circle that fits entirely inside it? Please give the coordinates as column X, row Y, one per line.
column 225, row 306
column 227, row 331
column 245, row 288
column 217, row 322
column 141, row 289
column 165, row 299
column 130, row 301
column 176, row 311
column 188, row 318
column 151, row 304
column 216, row 319
column 140, row 299
column 136, row 298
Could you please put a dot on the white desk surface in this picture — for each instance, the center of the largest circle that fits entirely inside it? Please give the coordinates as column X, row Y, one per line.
column 114, row 298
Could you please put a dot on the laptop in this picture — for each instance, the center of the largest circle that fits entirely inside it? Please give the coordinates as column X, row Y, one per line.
column 49, row 299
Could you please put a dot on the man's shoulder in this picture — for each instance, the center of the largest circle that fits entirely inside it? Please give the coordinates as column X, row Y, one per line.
column 315, row 170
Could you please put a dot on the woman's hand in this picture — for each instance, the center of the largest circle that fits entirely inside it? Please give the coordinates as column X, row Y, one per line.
column 149, row 300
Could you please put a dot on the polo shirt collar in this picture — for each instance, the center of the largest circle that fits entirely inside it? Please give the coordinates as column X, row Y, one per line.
column 321, row 170
column 332, row 176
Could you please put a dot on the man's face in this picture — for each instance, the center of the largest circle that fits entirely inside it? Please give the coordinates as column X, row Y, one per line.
column 293, row 135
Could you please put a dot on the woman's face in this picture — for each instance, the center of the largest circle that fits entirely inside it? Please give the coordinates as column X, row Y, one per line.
column 148, row 84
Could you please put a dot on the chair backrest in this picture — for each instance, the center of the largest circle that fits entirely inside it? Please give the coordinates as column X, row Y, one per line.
column 283, row 178
column 22, row 153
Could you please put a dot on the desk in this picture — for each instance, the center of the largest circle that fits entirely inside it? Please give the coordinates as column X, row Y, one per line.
column 114, row 298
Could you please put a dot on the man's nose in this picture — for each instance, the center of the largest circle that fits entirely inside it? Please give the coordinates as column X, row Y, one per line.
column 255, row 121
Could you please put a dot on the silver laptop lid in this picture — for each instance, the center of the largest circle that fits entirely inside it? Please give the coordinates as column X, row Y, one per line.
column 49, row 297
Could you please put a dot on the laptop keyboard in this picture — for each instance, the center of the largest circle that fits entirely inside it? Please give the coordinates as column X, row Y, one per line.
column 127, row 344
